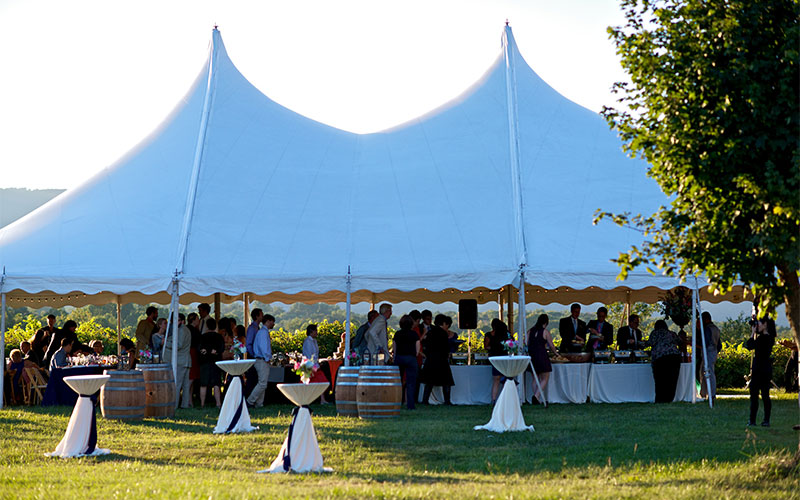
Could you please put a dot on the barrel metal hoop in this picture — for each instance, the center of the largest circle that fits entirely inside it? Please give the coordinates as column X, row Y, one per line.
column 380, row 384
column 122, row 408
column 123, row 388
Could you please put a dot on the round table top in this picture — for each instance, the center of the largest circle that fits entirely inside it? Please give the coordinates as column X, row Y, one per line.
column 237, row 366
column 303, row 394
column 510, row 366
column 86, row 385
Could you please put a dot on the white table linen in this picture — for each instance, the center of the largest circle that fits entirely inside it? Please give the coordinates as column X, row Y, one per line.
column 569, row 383
column 75, row 442
column 303, row 450
column 633, row 383
column 234, row 400
column 507, row 414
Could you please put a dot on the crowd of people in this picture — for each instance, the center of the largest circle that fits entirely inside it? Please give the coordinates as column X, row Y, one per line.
column 421, row 347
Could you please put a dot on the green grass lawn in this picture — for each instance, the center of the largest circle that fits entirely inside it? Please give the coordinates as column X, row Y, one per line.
column 577, row 451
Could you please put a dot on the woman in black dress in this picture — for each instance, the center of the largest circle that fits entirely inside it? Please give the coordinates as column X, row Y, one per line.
column 405, row 348
column 211, row 346
column 539, row 340
column 761, row 343
column 436, row 370
column 493, row 343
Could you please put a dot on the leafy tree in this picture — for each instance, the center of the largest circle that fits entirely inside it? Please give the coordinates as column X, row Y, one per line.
column 712, row 105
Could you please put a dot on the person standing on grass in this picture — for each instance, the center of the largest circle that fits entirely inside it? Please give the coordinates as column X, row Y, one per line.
column 204, row 310
column 665, row 361
column 262, row 351
column 761, row 342
column 436, row 369
column 538, row 341
column 359, row 343
column 406, row 347
column 713, row 346
column 211, row 347
column 183, row 384
column 251, row 375
column 493, row 343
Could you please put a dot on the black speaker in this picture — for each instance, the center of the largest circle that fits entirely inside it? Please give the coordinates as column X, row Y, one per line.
column 468, row 314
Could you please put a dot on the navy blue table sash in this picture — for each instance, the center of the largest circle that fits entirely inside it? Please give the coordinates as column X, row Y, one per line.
column 287, row 461
column 93, row 431
column 238, row 414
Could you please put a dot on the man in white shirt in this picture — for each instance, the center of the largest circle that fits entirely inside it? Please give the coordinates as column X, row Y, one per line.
column 378, row 334
column 262, row 348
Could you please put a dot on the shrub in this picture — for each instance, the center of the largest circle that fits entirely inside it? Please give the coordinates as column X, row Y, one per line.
column 20, row 332
column 330, row 334
column 733, row 363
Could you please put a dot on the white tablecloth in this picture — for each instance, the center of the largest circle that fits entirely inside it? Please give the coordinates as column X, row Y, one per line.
column 233, row 400
column 569, row 383
column 506, row 414
column 473, row 386
column 633, row 383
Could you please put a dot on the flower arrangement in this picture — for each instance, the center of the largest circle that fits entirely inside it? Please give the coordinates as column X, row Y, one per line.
column 512, row 347
column 354, row 358
column 306, row 369
column 146, row 356
column 238, row 349
column 677, row 306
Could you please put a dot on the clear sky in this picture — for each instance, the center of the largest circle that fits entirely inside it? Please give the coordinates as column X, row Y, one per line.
column 84, row 81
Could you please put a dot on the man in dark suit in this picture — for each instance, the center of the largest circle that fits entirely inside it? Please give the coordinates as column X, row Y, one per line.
column 601, row 333
column 630, row 337
column 572, row 331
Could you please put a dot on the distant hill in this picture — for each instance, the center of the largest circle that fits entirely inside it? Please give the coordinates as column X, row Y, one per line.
column 16, row 202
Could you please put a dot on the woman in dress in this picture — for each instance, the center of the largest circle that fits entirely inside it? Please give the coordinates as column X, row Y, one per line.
column 761, row 343
column 436, row 370
column 405, row 348
column 211, row 347
column 493, row 342
column 311, row 351
column 539, row 340
column 157, row 339
column 665, row 361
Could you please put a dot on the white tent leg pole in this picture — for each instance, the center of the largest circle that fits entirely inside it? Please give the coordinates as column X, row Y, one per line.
column 119, row 326
column 3, row 345
column 347, row 323
column 706, row 373
column 694, row 344
column 523, row 320
column 174, row 311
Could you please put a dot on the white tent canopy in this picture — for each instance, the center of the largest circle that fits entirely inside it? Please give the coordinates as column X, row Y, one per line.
column 236, row 194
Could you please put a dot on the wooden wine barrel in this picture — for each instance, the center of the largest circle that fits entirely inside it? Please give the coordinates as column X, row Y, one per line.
column 379, row 393
column 123, row 396
column 159, row 387
column 345, row 393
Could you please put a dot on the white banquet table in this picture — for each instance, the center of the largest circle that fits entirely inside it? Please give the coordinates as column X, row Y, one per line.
column 633, row 383
column 233, row 416
column 569, row 383
column 507, row 414
column 300, row 450
column 81, row 437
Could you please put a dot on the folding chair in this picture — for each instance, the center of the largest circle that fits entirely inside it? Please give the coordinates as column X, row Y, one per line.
column 37, row 385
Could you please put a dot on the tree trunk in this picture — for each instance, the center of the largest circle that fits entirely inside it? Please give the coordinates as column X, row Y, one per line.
column 792, row 300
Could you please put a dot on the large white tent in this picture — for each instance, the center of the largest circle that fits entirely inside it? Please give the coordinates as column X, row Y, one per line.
column 235, row 194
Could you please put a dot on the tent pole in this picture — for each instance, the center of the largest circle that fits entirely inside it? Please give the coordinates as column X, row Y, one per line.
column 217, row 305
column 706, row 373
column 174, row 305
column 3, row 339
column 523, row 320
column 246, row 307
column 347, row 323
column 694, row 343
column 500, row 304
column 119, row 326
column 510, row 303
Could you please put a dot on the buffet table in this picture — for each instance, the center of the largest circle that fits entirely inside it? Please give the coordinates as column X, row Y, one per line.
column 569, row 383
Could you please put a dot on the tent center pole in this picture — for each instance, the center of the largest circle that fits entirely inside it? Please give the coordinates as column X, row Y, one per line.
column 347, row 323
column 119, row 326
column 706, row 373
column 246, row 308
column 2, row 340
column 510, row 302
column 694, row 344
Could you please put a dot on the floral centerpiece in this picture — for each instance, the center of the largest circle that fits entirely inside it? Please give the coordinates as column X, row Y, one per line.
column 146, row 356
column 306, row 369
column 354, row 358
column 512, row 347
column 677, row 306
column 238, row 349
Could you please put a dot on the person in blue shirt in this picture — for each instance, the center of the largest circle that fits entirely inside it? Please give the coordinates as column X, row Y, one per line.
column 262, row 351
column 59, row 359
